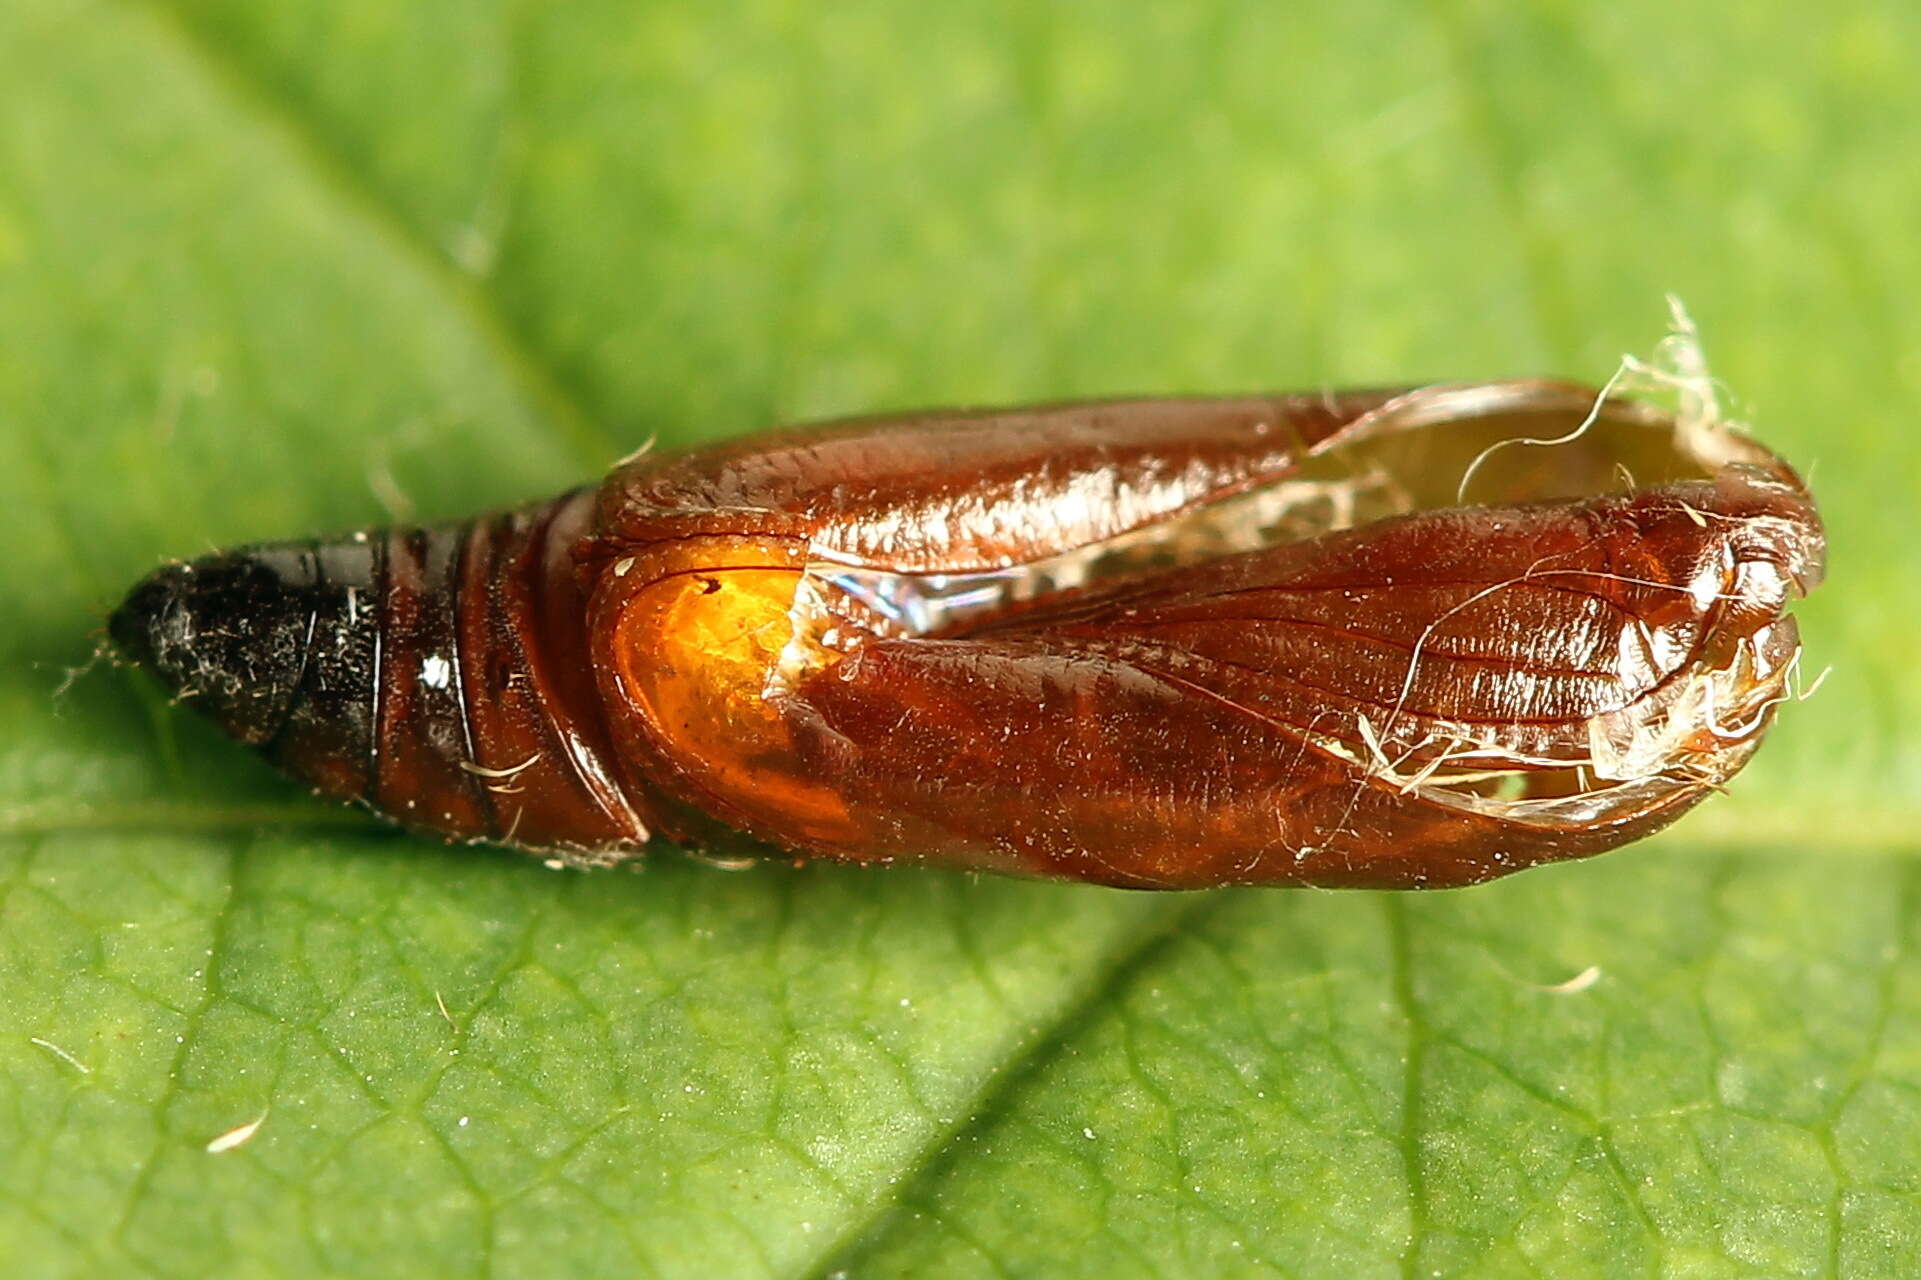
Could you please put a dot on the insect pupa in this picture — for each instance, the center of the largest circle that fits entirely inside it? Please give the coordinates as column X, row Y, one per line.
column 1160, row 643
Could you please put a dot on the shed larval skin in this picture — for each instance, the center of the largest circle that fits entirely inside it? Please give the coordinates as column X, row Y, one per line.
column 1377, row 638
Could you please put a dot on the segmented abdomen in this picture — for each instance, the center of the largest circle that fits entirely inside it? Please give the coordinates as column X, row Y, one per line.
column 434, row 673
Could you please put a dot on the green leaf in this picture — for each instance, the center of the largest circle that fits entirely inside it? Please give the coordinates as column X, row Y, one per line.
column 267, row 269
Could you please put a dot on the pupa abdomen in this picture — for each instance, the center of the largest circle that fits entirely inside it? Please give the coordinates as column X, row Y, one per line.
column 432, row 673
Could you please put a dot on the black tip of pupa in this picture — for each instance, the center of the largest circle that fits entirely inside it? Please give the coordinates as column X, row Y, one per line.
column 228, row 634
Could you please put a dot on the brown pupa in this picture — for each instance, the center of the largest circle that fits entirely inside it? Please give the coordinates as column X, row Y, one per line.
column 1159, row 643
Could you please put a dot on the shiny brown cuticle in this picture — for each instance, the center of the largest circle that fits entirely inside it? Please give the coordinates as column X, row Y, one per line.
column 1153, row 643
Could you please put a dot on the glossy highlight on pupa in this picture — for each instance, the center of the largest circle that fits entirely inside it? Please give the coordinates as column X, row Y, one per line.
column 1386, row 638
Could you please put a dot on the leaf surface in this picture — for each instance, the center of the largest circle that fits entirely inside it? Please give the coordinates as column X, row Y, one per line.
column 269, row 269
